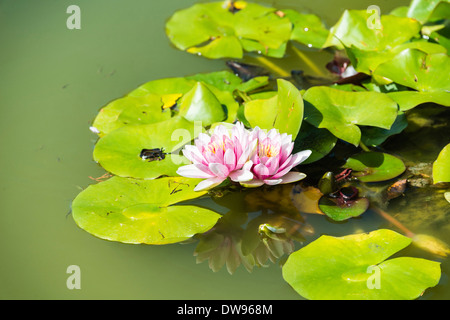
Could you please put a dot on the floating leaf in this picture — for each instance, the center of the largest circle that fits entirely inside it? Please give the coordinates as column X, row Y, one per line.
column 130, row 110
column 354, row 267
column 372, row 136
column 142, row 211
column 215, row 32
column 409, row 99
column 283, row 111
column 375, row 166
column 307, row 29
column 200, row 104
column 341, row 111
column 422, row 10
column 340, row 212
column 441, row 167
column 368, row 60
column 417, row 70
column 119, row 151
column 352, row 30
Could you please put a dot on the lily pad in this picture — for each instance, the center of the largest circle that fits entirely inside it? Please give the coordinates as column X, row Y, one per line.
column 441, row 167
column 367, row 61
column 354, row 267
column 352, row 30
column 130, row 110
column 342, row 111
column 417, row 70
column 142, row 211
column 422, row 10
column 283, row 111
column 372, row 136
column 340, row 212
column 200, row 104
column 216, row 32
column 375, row 166
column 307, row 29
column 119, row 152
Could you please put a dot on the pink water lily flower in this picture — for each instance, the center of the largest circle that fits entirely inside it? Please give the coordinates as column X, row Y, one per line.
column 272, row 159
column 224, row 154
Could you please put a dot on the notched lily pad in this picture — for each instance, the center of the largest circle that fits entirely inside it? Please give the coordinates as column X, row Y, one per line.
column 216, row 32
column 354, row 267
column 342, row 111
column 339, row 210
column 142, row 211
column 441, row 167
column 284, row 111
column 119, row 152
column 375, row 166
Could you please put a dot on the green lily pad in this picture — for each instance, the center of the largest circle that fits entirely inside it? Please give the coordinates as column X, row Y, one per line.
column 142, row 211
column 200, row 104
column 341, row 212
column 372, row 136
column 119, row 151
column 422, row 10
column 307, row 29
column 367, row 61
column 441, row 167
column 417, row 70
column 215, row 32
column 341, row 111
column 407, row 100
column 130, row 110
column 375, row 166
column 354, row 267
column 352, row 30
column 283, row 111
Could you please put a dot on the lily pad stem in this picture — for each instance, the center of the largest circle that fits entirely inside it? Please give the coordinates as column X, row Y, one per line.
column 364, row 147
column 272, row 66
column 244, row 96
column 394, row 221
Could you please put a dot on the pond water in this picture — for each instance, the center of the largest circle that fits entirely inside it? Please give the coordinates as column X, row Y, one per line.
column 54, row 81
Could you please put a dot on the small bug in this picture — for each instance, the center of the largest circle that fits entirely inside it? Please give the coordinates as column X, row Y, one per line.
column 153, row 154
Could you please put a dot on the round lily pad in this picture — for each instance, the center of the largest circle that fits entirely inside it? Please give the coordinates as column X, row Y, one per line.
column 343, row 211
column 283, row 111
column 342, row 111
column 441, row 167
column 375, row 166
column 119, row 152
column 142, row 211
column 354, row 268
column 215, row 31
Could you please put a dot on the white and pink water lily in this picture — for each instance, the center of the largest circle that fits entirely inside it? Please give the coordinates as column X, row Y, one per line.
column 252, row 158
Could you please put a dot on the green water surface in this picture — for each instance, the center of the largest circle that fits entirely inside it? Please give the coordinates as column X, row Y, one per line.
column 53, row 82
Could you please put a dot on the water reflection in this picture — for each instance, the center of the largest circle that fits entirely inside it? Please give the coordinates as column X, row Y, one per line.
column 261, row 227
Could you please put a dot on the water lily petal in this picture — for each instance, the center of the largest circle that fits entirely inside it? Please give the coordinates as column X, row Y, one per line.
column 292, row 177
column 219, row 170
column 272, row 182
column 261, row 171
column 195, row 171
column 209, row 183
column 229, row 159
column 241, row 175
column 252, row 183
